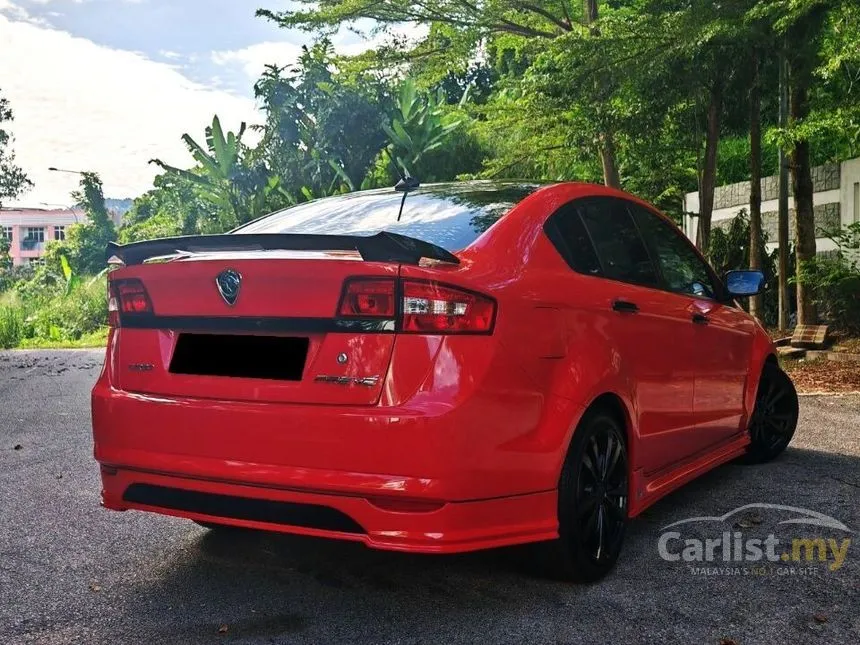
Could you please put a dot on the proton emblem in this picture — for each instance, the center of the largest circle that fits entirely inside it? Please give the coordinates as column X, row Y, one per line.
column 229, row 281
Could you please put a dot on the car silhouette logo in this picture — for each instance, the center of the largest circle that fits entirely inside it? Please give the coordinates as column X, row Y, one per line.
column 229, row 282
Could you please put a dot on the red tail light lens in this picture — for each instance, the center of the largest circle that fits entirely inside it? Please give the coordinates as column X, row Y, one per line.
column 369, row 297
column 127, row 297
column 433, row 308
column 423, row 306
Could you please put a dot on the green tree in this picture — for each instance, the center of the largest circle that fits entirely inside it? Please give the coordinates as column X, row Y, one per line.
column 85, row 243
column 457, row 28
column 227, row 177
column 13, row 181
column 5, row 258
column 174, row 206
column 323, row 126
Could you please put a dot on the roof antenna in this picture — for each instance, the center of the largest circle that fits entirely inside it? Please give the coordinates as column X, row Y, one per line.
column 406, row 184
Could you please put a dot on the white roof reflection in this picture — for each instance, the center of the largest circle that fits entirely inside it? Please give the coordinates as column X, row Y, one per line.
column 449, row 215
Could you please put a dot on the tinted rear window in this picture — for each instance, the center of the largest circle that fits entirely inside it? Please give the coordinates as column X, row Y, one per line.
column 449, row 215
column 619, row 247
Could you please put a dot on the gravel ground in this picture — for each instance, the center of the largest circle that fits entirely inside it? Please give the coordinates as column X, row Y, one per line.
column 73, row 572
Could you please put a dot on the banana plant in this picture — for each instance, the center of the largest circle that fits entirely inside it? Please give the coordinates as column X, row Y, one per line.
column 417, row 127
column 71, row 278
column 225, row 177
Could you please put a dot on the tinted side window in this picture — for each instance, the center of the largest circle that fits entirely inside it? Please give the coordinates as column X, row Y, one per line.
column 619, row 247
column 683, row 270
column 565, row 230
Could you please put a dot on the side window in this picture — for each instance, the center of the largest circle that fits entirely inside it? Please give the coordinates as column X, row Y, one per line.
column 682, row 268
column 616, row 239
column 565, row 230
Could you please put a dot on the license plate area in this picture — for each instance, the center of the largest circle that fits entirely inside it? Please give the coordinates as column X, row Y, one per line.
column 279, row 358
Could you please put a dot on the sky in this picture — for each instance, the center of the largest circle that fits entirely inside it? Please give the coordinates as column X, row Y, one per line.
column 107, row 85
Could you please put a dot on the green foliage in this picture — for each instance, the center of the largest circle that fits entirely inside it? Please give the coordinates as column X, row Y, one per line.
column 13, row 181
column 227, row 178
column 323, row 123
column 11, row 324
column 734, row 159
column 14, row 275
column 417, row 128
column 5, row 258
column 729, row 249
column 52, row 310
column 84, row 247
column 835, row 279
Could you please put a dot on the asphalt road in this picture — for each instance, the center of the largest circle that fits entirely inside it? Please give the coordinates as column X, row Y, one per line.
column 71, row 571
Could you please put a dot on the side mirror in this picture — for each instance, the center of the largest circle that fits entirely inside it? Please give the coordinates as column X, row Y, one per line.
column 742, row 284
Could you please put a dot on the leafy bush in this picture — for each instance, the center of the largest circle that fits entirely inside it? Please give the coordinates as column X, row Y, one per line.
column 835, row 279
column 52, row 309
column 13, row 276
column 68, row 317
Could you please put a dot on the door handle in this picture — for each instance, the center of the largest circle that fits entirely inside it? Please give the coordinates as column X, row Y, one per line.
column 701, row 319
column 624, row 306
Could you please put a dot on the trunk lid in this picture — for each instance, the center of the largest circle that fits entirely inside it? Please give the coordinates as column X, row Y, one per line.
column 279, row 340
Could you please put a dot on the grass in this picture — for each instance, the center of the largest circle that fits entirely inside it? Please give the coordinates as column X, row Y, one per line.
column 48, row 314
column 11, row 326
column 97, row 338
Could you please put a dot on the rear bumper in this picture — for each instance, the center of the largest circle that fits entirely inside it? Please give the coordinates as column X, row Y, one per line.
column 410, row 480
column 453, row 527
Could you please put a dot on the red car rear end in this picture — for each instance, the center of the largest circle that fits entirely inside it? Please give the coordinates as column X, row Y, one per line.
column 367, row 400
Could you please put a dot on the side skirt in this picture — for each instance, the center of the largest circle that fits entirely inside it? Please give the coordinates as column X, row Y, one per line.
column 645, row 490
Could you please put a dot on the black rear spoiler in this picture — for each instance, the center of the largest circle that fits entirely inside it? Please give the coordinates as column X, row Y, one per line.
column 382, row 247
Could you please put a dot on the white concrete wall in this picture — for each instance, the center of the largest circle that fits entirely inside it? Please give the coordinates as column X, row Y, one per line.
column 849, row 191
column 847, row 196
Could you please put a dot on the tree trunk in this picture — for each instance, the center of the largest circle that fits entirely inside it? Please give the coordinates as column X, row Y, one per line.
column 708, row 175
column 589, row 9
column 756, row 251
column 607, row 157
column 606, row 139
column 782, row 221
column 801, row 179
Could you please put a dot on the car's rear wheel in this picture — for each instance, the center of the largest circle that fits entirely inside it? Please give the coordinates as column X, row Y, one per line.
column 592, row 502
column 774, row 417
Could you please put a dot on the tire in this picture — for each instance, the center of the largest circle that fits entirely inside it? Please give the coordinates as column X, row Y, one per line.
column 592, row 503
column 774, row 418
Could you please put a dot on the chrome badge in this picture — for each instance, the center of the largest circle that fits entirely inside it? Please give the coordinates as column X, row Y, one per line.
column 367, row 381
column 229, row 281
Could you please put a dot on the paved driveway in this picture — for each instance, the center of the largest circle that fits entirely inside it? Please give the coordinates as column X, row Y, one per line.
column 73, row 572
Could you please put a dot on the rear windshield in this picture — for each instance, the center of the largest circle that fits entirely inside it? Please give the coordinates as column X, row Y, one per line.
column 449, row 215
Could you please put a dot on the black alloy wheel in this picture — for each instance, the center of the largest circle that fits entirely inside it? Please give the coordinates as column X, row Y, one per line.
column 774, row 418
column 602, row 494
column 592, row 502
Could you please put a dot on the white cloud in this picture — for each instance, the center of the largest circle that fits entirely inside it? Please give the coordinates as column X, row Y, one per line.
column 253, row 59
column 83, row 106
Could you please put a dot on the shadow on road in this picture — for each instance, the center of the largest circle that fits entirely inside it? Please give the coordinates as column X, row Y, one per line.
column 267, row 584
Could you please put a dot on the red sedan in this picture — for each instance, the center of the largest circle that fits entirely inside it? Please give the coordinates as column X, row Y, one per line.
column 467, row 366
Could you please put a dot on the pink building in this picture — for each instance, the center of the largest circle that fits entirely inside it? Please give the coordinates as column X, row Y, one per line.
column 29, row 229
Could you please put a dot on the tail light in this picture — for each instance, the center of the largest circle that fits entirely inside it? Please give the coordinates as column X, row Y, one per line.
column 419, row 306
column 369, row 297
column 433, row 308
column 127, row 298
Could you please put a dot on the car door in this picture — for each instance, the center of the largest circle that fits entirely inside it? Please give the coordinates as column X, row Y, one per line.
column 722, row 333
column 647, row 328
